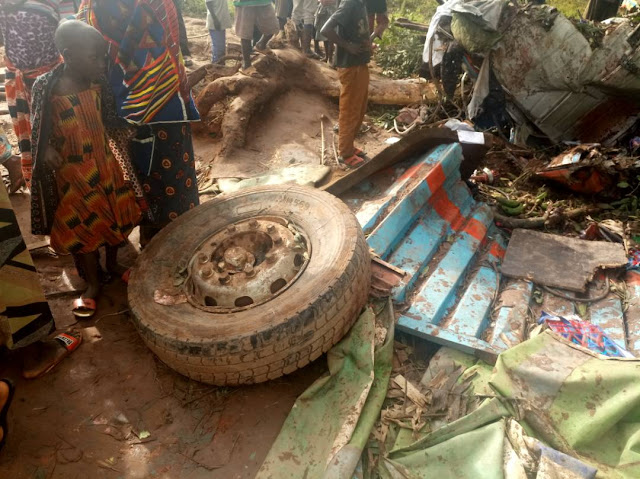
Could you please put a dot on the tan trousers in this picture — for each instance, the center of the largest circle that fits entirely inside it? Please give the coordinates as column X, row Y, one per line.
column 354, row 92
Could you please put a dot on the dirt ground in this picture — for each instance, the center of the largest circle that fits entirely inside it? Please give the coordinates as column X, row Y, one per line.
column 112, row 409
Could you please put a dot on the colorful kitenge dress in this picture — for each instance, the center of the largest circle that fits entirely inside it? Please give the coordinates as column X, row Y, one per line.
column 149, row 83
column 95, row 109
column 25, row 316
column 28, row 29
column 95, row 206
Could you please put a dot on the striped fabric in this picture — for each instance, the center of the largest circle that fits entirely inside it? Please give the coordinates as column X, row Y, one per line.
column 147, row 73
column 25, row 316
column 96, row 207
column 18, row 91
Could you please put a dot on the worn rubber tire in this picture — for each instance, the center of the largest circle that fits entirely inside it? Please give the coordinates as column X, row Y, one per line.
column 271, row 339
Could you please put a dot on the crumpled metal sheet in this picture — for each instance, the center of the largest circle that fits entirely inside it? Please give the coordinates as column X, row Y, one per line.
column 568, row 89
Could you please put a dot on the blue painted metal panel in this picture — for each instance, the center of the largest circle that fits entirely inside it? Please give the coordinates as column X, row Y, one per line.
column 404, row 213
column 513, row 315
column 422, row 218
column 632, row 315
column 608, row 314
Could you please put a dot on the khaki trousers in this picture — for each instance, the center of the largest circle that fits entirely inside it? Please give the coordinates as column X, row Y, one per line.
column 354, row 92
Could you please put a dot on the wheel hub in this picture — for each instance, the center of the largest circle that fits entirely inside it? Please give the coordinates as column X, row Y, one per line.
column 246, row 264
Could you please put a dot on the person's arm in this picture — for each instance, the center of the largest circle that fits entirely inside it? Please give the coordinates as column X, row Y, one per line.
column 329, row 32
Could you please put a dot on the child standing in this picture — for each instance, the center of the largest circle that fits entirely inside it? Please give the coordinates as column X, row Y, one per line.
column 326, row 8
column 76, row 174
column 348, row 28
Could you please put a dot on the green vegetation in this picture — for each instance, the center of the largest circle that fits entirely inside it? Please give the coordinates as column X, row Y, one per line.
column 195, row 8
column 400, row 52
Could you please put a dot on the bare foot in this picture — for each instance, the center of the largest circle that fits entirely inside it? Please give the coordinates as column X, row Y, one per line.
column 44, row 355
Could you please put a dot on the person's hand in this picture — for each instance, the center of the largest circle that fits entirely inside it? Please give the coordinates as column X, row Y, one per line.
column 52, row 158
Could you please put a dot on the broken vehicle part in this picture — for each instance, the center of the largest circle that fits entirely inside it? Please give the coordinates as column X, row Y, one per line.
column 416, row 143
column 273, row 244
column 420, row 217
column 559, row 261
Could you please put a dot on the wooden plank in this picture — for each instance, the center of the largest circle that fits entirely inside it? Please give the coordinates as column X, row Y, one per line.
column 416, row 142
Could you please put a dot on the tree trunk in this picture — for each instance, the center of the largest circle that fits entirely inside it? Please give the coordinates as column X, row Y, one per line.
column 287, row 69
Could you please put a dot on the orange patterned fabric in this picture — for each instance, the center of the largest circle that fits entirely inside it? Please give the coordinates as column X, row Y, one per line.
column 96, row 206
column 18, row 91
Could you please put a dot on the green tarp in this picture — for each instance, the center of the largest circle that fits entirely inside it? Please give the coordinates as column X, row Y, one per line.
column 329, row 424
column 559, row 411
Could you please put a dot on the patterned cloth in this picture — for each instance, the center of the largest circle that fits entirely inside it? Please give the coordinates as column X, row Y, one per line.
column 584, row 333
column 28, row 29
column 150, row 86
column 5, row 147
column 44, row 187
column 634, row 260
column 164, row 161
column 146, row 73
column 25, row 316
column 95, row 206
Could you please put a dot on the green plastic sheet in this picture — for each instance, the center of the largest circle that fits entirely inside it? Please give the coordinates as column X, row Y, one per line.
column 329, row 424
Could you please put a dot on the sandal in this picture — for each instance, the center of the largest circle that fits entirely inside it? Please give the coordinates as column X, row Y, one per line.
column 360, row 153
column 84, row 308
column 353, row 161
column 5, row 410
column 70, row 341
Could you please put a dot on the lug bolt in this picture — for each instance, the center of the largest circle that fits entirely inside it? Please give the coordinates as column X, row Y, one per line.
column 278, row 240
column 231, row 228
column 203, row 258
column 271, row 258
column 249, row 271
column 206, row 272
column 253, row 224
column 224, row 279
column 271, row 228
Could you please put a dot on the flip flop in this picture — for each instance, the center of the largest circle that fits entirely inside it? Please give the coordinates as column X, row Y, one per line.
column 4, row 411
column 353, row 161
column 360, row 153
column 84, row 308
column 70, row 341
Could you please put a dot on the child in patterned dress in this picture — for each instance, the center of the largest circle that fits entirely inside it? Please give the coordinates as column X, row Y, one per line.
column 95, row 206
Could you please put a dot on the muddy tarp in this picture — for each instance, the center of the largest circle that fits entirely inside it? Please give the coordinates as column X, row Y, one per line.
column 571, row 402
column 327, row 429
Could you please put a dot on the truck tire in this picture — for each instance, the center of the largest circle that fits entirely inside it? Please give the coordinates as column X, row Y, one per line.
column 255, row 343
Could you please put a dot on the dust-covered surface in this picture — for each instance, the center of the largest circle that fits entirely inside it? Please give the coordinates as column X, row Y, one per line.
column 112, row 410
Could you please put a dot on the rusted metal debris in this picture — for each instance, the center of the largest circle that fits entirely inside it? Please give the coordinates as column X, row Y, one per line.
column 559, row 261
column 223, row 273
column 552, row 77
